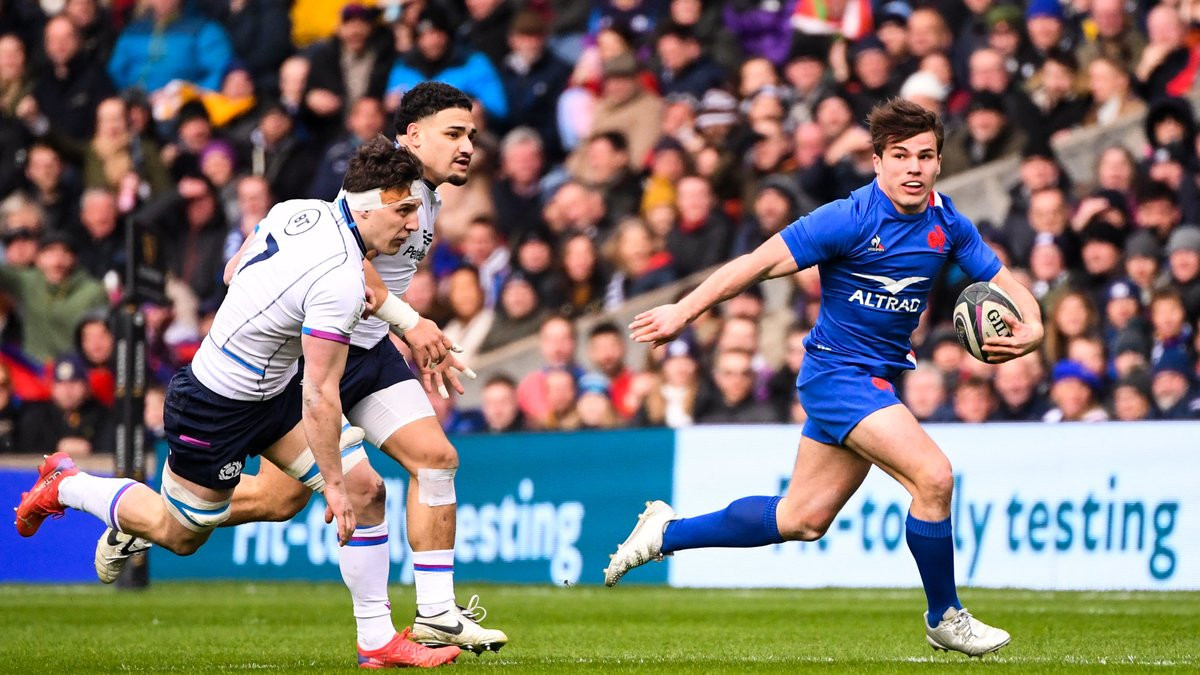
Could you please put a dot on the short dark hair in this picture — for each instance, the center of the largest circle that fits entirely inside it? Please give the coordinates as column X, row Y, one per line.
column 604, row 328
column 896, row 119
column 618, row 140
column 1156, row 190
column 378, row 163
column 501, row 378
column 428, row 99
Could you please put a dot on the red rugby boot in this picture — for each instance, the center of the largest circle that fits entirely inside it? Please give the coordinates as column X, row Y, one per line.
column 42, row 498
column 402, row 653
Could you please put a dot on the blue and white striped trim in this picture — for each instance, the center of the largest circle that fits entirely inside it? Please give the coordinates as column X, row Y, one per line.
column 242, row 362
column 184, row 510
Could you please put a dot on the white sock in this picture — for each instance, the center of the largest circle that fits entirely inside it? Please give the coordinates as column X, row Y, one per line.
column 433, row 575
column 97, row 496
column 364, row 563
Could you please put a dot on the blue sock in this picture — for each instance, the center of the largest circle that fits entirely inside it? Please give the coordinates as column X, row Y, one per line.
column 933, row 549
column 747, row 522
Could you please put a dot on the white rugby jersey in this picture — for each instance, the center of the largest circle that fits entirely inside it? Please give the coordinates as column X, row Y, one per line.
column 397, row 270
column 302, row 274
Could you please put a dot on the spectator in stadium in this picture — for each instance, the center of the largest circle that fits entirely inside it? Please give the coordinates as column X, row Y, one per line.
column 683, row 66
column 517, row 189
column 1111, row 92
column 806, row 72
column 1131, row 353
column 1169, row 327
column 974, row 400
column 94, row 344
column 624, row 106
column 781, row 387
column 594, row 408
column 1170, row 165
column 534, row 259
column 486, row 27
column 1071, row 316
column 1109, row 31
column 1046, row 30
column 1116, row 170
column 422, row 296
column 640, row 265
column 760, row 27
column 22, row 231
column 533, row 77
column 96, row 25
column 606, row 169
column 354, row 63
column 573, row 207
column 293, row 82
column 1158, row 210
column 1089, row 352
column 171, row 42
column 69, row 85
column 499, row 406
column 517, row 314
column 1101, row 245
column 606, row 352
column 987, row 71
column 482, row 248
column 1172, row 386
column 556, row 346
column 277, row 154
column 260, row 33
column 1050, row 277
column 561, row 392
column 15, row 82
column 672, row 401
column 1122, row 311
column 1165, row 67
column 989, row 134
column 253, row 203
column 118, row 159
column 365, row 121
column 53, row 296
column 1056, row 96
column 1132, row 399
column 192, row 230
column 9, row 413
column 437, row 57
column 701, row 238
column 51, row 188
column 578, row 285
column 1074, row 393
column 102, row 242
column 70, row 421
column 472, row 320
column 1183, row 267
column 774, row 207
column 924, row 392
column 872, row 77
column 734, row 402
column 1019, row 397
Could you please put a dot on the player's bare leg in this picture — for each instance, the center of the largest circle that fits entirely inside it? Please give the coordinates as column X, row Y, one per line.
column 431, row 460
column 892, row 439
column 823, row 478
column 126, row 505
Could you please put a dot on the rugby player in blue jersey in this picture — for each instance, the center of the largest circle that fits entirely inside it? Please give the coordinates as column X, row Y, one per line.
column 878, row 253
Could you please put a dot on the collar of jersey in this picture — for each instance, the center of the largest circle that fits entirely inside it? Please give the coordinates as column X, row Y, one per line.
column 891, row 208
column 341, row 202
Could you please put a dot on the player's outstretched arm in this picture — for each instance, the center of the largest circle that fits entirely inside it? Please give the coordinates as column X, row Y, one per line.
column 1027, row 333
column 324, row 363
column 664, row 323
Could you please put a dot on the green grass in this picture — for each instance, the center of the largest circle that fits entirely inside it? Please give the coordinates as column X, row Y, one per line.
column 290, row 627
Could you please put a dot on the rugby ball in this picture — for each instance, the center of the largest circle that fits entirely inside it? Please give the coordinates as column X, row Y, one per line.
column 979, row 314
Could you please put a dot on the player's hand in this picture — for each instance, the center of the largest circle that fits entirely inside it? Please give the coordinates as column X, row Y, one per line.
column 337, row 505
column 659, row 325
column 1025, row 338
column 448, row 370
column 428, row 344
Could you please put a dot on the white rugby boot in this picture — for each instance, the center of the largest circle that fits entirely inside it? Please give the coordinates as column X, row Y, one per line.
column 113, row 551
column 643, row 544
column 960, row 632
column 458, row 627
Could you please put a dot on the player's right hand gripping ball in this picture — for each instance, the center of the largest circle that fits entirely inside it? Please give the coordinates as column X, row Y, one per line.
column 979, row 314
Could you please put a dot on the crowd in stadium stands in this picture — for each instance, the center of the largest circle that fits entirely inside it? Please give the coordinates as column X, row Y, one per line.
column 624, row 145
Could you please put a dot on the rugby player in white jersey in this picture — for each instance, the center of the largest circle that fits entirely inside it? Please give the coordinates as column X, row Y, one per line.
column 299, row 290
column 382, row 396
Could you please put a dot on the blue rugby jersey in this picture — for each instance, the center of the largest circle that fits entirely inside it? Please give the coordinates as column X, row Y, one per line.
column 877, row 266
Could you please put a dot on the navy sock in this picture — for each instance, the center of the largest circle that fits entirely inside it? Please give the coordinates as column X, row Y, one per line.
column 747, row 522
column 933, row 549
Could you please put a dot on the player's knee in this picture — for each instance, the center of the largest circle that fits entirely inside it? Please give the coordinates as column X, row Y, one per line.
column 935, row 485
column 441, row 456
column 367, row 490
column 804, row 525
column 184, row 544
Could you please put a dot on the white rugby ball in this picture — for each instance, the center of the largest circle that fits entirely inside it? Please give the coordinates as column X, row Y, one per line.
column 979, row 314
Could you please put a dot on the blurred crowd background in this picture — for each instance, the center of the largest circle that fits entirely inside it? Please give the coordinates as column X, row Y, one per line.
column 624, row 146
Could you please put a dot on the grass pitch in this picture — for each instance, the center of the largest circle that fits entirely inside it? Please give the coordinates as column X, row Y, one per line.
column 292, row 627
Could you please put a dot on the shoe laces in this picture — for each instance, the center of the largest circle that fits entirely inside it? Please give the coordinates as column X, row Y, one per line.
column 473, row 611
column 960, row 625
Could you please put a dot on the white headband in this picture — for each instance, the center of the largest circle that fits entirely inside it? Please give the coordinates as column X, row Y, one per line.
column 372, row 200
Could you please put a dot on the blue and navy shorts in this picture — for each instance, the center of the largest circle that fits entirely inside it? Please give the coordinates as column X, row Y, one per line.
column 211, row 436
column 837, row 397
column 371, row 370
